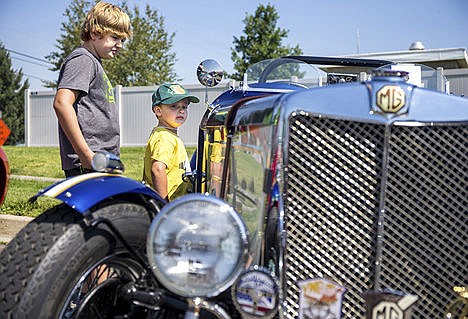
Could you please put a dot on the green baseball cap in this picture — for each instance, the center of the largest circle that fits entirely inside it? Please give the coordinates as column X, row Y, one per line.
column 171, row 93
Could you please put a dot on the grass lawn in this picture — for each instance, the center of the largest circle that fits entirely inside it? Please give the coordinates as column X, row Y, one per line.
column 19, row 192
column 45, row 162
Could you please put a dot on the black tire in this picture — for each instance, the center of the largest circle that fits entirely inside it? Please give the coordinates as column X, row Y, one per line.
column 45, row 265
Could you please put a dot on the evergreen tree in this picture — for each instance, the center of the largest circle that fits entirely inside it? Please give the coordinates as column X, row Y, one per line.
column 146, row 58
column 262, row 40
column 12, row 98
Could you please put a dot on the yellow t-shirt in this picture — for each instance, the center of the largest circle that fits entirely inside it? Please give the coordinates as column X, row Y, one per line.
column 165, row 146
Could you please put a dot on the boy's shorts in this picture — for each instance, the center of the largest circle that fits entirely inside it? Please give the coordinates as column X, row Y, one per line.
column 77, row 171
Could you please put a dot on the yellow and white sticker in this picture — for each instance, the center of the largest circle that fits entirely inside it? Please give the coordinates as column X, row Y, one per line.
column 320, row 298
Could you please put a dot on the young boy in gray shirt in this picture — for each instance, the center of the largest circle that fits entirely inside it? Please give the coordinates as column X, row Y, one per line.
column 84, row 103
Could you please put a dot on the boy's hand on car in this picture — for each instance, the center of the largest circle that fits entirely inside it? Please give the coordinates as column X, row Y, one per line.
column 87, row 159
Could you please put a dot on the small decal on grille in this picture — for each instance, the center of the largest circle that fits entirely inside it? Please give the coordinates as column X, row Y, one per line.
column 458, row 308
column 255, row 293
column 320, row 298
column 391, row 98
column 389, row 304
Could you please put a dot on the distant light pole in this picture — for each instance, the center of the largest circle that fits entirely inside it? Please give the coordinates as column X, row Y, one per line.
column 358, row 39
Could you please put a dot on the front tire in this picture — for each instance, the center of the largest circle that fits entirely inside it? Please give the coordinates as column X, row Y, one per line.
column 57, row 264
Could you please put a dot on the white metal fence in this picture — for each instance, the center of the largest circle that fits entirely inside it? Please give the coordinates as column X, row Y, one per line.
column 136, row 118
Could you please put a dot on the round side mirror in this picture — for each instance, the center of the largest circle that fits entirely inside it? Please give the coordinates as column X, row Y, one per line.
column 209, row 73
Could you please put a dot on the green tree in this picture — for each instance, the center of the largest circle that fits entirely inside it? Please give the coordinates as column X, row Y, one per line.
column 262, row 40
column 12, row 97
column 146, row 59
column 70, row 37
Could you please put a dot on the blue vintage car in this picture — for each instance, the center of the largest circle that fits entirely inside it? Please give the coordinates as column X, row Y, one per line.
column 322, row 188
column 351, row 171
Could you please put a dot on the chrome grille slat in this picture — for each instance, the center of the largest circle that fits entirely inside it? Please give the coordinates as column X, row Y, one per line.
column 333, row 189
column 435, row 205
column 334, row 192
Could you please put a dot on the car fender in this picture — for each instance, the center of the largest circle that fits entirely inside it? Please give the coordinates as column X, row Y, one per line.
column 85, row 191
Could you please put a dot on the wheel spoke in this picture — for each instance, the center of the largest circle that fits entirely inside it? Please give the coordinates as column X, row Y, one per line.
column 87, row 296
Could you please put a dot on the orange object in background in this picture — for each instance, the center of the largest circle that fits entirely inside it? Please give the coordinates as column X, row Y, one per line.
column 4, row 132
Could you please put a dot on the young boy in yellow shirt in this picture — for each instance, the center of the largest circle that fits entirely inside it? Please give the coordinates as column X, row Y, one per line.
column 165, row 156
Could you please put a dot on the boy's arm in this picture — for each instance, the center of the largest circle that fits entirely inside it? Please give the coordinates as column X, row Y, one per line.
column 63, row 106
column 159, row 178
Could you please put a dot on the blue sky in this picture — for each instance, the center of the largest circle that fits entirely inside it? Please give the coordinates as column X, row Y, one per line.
column 205, row 28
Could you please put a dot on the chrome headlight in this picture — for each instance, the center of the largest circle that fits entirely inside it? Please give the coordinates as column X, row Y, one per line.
column 197, row 246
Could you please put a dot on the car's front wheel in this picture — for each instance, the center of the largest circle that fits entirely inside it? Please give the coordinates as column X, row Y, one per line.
column 58, row 267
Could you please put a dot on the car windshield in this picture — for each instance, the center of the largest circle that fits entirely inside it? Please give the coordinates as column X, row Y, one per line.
column 294, row 72
column 284, row 70
column 422, row 76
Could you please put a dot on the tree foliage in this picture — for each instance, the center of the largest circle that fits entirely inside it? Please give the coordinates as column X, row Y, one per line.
column 69, row 39
column 262, row 40
column 146, row 58
column 12, row 90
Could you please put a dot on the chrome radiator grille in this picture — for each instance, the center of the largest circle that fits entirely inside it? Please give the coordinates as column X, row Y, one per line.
column 335, row 181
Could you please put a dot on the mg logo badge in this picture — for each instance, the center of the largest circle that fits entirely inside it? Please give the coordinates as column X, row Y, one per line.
column 389, row 304
column 391, row 98
column 387, row 310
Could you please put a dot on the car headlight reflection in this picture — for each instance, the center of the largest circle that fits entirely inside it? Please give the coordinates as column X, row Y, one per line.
column 197, row 246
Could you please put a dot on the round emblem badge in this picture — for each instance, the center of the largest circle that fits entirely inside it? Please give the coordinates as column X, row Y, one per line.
column 391, row 98
column 255, row 293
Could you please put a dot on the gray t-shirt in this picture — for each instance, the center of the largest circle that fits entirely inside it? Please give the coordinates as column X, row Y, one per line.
column 95, row 107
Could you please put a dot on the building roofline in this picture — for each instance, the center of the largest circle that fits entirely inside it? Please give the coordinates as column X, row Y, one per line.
column 448, row 58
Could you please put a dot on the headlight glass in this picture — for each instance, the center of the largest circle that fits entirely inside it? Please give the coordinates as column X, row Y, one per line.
column 197, row 246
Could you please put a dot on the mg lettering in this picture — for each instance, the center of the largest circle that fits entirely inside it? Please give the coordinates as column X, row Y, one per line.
column 391, row 98
column 387, row 310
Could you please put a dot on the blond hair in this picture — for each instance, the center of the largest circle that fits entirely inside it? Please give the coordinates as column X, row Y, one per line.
column 105, row 18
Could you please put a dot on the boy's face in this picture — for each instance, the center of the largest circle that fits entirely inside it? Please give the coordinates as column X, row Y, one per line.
column 172, row 115
column 107, row 46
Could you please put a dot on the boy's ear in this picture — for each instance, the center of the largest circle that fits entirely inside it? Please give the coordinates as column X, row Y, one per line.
column 157, row 110
column 94, row 35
